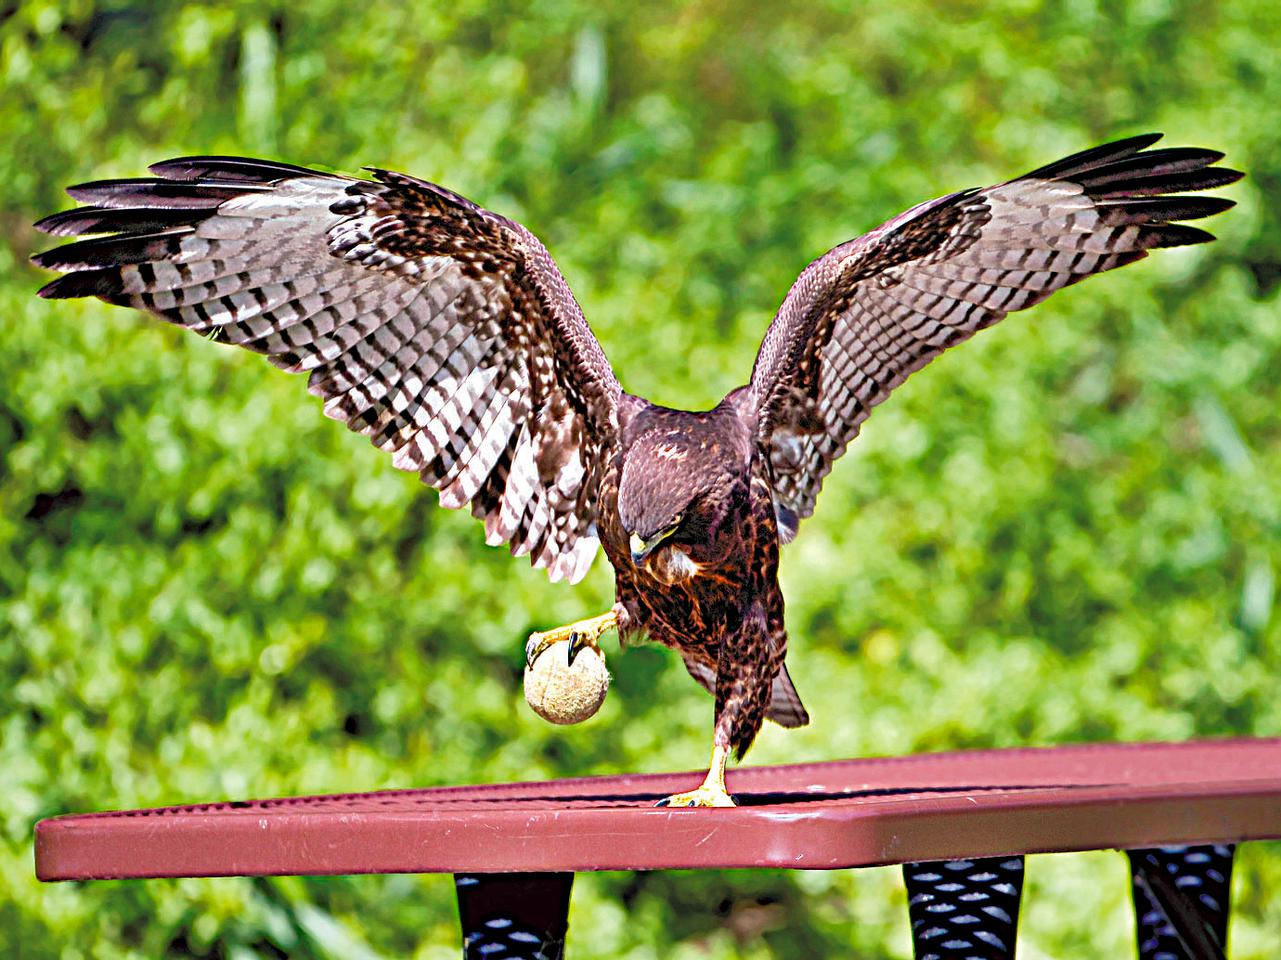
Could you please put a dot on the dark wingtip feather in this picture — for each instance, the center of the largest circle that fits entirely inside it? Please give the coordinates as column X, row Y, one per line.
column 68, row 223
column 83, row 283
column 120, row 220
column 1134, row 144
column 89, row 191
column 112, row 251
column 1174, row 235
column 163, row 194
column 1162, row 209
column 1096, row 156
column 1130, row 186
column 1150, row 185
column 1149, row 163
column 244, row 169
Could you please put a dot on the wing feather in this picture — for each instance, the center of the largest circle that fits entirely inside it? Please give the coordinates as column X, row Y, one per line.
column 862, row 318
column 443, row 332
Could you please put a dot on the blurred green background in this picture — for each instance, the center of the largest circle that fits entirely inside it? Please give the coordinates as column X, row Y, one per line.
column 1067, row 530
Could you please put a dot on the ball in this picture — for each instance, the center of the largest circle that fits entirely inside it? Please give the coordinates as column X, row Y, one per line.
column 564, row 692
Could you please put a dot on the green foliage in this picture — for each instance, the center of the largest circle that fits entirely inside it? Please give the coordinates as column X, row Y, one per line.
column 1068, row 530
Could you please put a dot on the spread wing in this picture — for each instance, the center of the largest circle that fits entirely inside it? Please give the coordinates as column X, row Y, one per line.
column 441, row 331
column 864, row 316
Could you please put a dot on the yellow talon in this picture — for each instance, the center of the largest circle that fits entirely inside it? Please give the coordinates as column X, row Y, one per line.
column 583, row 633
column 712, row 793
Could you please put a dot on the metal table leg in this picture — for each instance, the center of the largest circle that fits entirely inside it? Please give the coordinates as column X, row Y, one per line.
column 964, row 908
column 1181, row 901
column 513, row 916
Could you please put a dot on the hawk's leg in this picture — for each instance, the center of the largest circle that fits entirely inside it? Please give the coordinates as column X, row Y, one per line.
column 583, row 633
column 747, row 662
column 712, row 793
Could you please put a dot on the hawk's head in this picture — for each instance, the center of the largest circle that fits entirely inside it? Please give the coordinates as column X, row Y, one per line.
column 676, row 490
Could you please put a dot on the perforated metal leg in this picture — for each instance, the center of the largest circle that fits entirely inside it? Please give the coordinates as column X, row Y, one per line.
column 513, row 916
column 964, row 909
column 1181, row 901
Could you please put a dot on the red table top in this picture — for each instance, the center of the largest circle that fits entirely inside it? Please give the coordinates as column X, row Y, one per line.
column 812, row 816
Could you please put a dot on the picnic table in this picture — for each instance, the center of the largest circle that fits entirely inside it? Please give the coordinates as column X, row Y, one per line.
column 959, row 823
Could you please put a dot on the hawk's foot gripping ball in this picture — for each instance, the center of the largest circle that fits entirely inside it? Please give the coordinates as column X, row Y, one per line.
column 564, row 690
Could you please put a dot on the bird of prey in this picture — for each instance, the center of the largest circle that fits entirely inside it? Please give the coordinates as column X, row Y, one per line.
column 446, row 334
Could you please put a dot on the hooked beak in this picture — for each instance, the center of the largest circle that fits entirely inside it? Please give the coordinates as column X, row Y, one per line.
column 643, row 548
column 640, row 549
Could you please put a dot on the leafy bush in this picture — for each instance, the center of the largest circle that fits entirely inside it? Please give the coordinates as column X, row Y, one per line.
column 1068, row 530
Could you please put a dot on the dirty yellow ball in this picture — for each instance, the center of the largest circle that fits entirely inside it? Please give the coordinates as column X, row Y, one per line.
column 564, row 692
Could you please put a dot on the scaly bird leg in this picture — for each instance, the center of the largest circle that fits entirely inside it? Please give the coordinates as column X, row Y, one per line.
column 583, row 633
column 712, row 793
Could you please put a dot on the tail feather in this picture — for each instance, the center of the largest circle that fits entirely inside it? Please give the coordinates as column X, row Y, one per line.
column 785, row 707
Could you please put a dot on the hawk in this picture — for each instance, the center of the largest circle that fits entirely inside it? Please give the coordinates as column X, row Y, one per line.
column 446, row 334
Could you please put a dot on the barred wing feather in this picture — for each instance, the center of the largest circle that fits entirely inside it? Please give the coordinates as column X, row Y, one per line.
column 441, row 331
column 872, row 311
